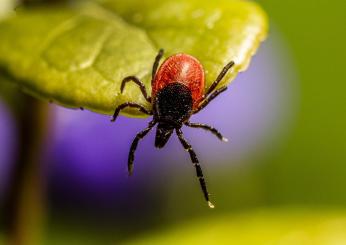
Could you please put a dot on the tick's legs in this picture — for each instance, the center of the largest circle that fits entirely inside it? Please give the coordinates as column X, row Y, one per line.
column 206, row 101
column 195, row 162
column 139, row 83
column 134, row 144
column 220, row 77
column 208, row 128
column 156, row 65
column 129, row 104
column 210, row 95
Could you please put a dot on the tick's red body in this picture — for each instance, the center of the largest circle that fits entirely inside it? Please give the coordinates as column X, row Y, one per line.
column 184, row 69
column 177, row 93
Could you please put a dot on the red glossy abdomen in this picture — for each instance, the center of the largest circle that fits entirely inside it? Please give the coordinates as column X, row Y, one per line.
column 181, row 68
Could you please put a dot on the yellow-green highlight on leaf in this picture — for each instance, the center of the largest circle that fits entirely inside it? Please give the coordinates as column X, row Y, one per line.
column 6, row 6
column 267, row 227
column 78, row 55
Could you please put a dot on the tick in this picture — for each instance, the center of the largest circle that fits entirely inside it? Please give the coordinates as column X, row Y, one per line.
column 178, row 92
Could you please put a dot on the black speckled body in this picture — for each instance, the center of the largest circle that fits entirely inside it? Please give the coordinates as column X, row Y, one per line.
column 172, row 107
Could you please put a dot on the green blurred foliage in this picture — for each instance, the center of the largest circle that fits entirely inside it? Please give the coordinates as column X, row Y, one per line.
column 310, row 168
column 284, row 227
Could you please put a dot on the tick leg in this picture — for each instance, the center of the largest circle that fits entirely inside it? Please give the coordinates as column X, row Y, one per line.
column 220, row 77
column 139, row 83
column 156, row 65
column 208, row 128
column 129, row 104
column 207, row 100
column 134, row 144
column 195, row 162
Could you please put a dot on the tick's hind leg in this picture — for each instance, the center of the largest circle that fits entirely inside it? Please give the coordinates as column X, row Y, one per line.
column 207, row 100
column 208, row 128
column 210, row 95
column 139, row 83
column 220, row 77
column 156, row 65
column 195, row 162
column 129, row 104
column 134, row 144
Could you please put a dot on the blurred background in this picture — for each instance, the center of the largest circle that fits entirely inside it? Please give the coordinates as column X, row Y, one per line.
column 279, row 180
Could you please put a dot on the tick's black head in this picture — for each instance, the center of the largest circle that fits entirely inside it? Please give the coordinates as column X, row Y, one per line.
column 163, row 132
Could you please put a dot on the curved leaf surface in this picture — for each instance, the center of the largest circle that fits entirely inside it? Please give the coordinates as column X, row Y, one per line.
column 78, row 55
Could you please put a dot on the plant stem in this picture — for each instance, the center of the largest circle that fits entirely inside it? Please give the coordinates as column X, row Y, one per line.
column 24, row 206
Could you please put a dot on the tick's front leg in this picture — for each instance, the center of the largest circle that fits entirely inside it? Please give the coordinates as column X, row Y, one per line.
column 196, row 164
column 220, row 77
column 134, row 144
column 207, row 100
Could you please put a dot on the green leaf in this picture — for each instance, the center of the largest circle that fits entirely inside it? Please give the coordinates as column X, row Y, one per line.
column 78, row 55
column 299, row 227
